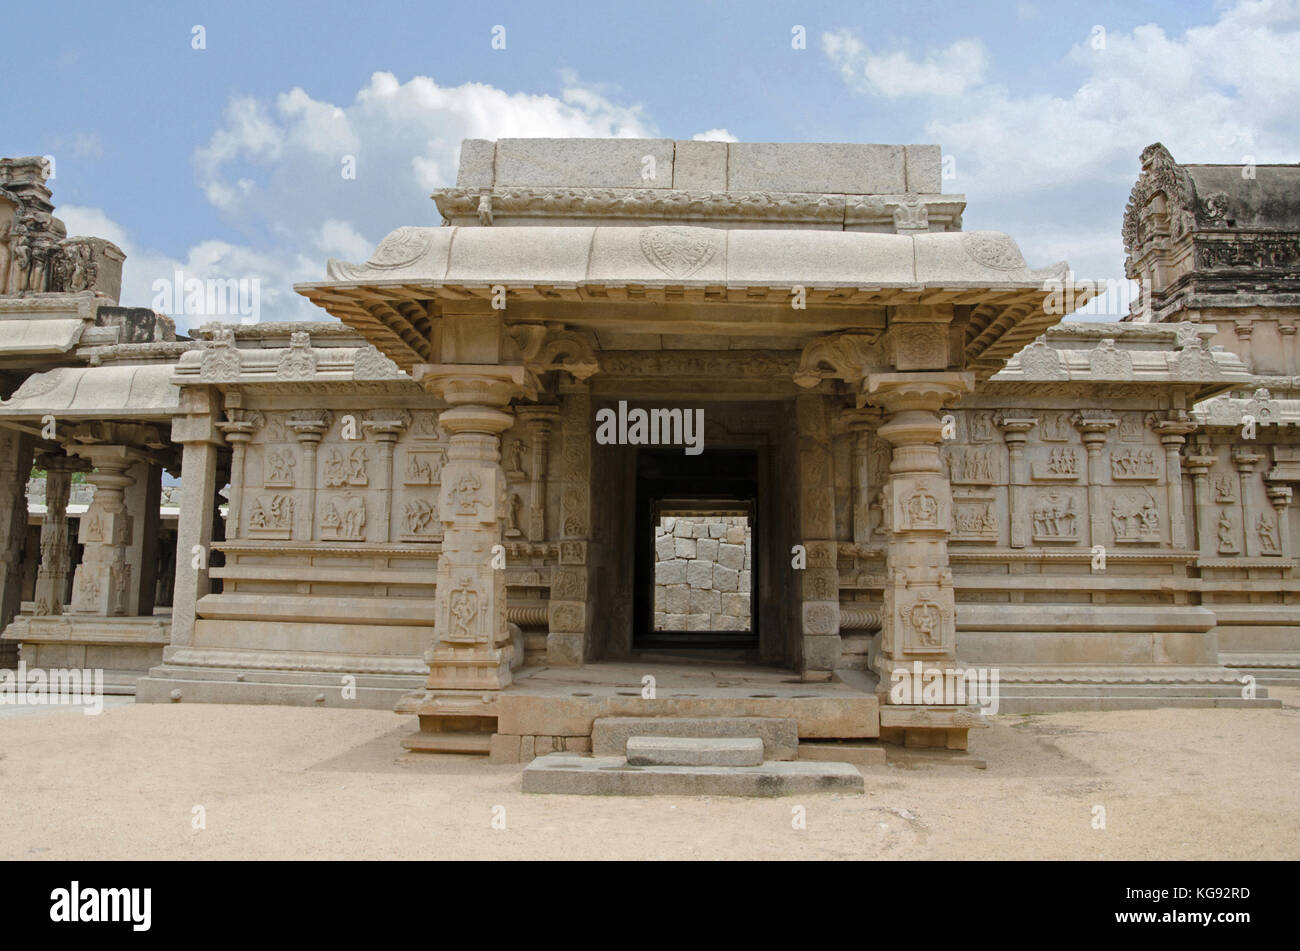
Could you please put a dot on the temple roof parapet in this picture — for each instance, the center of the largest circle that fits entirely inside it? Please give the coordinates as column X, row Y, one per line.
column 1127, row 354
column 637, row 182
column 1212, row 236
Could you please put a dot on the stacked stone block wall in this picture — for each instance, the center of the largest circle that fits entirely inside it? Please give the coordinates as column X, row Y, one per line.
column 702, row 574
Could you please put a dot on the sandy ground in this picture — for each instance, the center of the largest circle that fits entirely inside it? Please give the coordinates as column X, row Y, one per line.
column 283, row 782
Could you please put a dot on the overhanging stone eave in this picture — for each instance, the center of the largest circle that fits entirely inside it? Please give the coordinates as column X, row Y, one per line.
column 1013, row 305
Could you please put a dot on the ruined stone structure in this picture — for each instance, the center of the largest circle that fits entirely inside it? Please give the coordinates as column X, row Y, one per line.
column 932, row 469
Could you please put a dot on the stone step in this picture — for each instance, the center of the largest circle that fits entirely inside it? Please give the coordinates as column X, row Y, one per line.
column 694, row 751
column 780, row 735
column 479, row 744
column 569, row 774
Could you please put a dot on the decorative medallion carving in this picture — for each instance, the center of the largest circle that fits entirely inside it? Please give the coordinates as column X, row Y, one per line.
column 992, row 249
column 679, row 251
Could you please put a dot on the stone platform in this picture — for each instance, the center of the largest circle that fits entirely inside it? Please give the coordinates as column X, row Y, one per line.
column 550, row 709
column 123, row 647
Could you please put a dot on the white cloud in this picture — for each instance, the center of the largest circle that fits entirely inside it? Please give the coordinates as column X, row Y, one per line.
column 948, row 72
column 714, row 135
column 275, row 269
column 1055, row 171
column 280, row 167
column 275, row 170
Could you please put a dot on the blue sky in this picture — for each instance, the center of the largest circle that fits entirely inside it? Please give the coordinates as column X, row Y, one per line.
column 225, row 161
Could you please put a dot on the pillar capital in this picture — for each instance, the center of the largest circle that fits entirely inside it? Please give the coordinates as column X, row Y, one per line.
column 923, row 391
column 476, row 395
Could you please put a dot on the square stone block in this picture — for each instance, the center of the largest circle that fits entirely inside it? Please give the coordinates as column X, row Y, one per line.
column 736, row 604
column 672, row 572
column 821, row 652
column 731, row 556
column 699, row 574
column 725, row 579
column 685, row 547
column 707, row 548
column 568, row 617
column 700, row 166
column 565, row 650
column 704, row 601
column 665, row 550
column 676, row 599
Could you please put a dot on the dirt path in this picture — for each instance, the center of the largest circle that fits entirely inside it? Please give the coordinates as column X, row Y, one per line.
column 282, row 782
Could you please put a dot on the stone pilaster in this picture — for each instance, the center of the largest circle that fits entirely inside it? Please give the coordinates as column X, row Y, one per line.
column 239, row 429
column 538, row 420
column 52, row 577
column 1199, row 462
column 1245, row 463
column 819, row 582
column 309, row 427
column 1015, row 430
column 1280, row 496
column 569, row 620
column 1173, row 433
column 198, row 433
column 16, row 450
column 473, row 651
column 1093, row 425
column 919, row 622
column 387, row 427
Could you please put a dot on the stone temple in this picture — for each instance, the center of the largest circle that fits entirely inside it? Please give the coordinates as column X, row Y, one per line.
column 756, row 425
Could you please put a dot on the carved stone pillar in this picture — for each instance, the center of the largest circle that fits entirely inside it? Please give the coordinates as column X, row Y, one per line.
column 239, row 429
column 1173, row 433
column 387, row 426
column 52, row 577
column 1093, row 425
column 569, row 621
column 102, row 581
column 1245, row 463
column 819, row 581
column 200, row 439
column 1199, row 462
column 1280, row 496
column 473, row 649
column 15, row 469
column 309, row 427
column 538, row 420
column 920, row 608
column 1015, row 430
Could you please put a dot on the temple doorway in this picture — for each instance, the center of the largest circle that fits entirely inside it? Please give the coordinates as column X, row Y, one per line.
column 697, row 539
